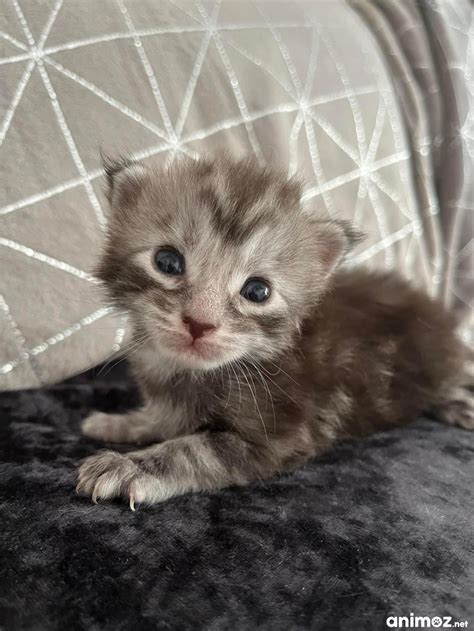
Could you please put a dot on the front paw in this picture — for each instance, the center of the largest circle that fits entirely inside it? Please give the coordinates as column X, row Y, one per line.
column 109, row 475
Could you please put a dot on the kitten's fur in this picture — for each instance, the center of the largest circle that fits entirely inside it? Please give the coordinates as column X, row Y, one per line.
column 332, row 354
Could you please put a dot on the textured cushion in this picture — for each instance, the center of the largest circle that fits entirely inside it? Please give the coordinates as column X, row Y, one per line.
column 380, row 526
column 306, row 85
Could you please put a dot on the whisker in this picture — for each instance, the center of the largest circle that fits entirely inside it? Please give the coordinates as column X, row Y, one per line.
column 221, row 372
column 267, row 390
column 128, row 349
column 230, row 388
column 255, row 401
column 279, row 387
column 280, row 370
column 111, row 367
column 238, row 383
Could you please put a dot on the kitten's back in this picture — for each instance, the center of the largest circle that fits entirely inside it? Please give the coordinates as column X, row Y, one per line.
column 390, row 348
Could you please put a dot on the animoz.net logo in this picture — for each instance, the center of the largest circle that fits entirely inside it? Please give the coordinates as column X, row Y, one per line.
column 425, row 622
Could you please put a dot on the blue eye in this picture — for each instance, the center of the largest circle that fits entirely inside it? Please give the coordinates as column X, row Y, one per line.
column 256, row 290
column 169, row 262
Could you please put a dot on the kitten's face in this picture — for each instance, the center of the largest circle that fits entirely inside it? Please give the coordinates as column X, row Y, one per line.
column 214, row 259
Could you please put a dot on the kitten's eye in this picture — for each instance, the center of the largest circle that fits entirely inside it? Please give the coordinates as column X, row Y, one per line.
column 256, row 290
column 169, row 262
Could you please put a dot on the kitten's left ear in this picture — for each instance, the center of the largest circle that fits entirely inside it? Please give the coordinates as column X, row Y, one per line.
column 334, row 239
column 124, row 178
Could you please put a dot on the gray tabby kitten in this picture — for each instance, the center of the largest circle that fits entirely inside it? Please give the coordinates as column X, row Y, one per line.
column 255, row 352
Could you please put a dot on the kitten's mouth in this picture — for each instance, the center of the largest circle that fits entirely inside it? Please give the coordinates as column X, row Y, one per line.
column 200, row 348
column 196, row 350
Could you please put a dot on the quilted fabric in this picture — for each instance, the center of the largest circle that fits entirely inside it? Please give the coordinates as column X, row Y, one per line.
column 379, row 527
column 430, row 49
column 306, row 84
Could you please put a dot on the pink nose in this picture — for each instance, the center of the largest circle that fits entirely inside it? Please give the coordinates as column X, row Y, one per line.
column 197, row 329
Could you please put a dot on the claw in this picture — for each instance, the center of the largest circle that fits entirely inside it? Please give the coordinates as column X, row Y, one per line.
column 95, row 496
column 132, row 502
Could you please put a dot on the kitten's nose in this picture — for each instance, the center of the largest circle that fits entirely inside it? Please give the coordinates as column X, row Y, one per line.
column 197, row 329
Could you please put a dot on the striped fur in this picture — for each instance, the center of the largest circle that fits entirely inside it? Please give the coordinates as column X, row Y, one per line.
column 331, row 354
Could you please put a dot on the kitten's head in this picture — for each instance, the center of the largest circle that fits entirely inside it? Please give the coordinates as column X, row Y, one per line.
column 215, row 259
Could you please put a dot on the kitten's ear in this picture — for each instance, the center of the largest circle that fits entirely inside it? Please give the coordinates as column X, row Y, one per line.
column 124, row 179
column 334, row 239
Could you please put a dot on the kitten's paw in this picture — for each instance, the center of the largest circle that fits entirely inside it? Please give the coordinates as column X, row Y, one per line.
column 458, row 410
column 111, row 428
column 109, row 475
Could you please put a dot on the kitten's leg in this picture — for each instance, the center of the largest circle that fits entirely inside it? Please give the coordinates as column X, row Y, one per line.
column 203, row 461
column 133, row 427
column 155, row 422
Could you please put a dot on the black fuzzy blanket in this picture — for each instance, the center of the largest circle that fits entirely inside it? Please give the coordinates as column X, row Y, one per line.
column 381, row 526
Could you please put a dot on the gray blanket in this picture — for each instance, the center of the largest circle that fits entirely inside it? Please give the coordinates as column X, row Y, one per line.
column 379, row 527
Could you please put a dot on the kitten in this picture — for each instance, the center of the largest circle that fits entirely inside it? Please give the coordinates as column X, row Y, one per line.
column 252, row 350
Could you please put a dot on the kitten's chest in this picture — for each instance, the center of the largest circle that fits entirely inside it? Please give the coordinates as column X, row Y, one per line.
column 194, row 395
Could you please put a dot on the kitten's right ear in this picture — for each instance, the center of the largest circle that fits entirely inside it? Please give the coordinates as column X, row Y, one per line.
column 124, row 179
